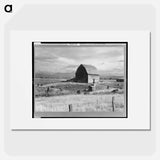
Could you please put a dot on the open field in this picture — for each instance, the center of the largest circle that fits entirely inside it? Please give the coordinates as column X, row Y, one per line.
column 80, row 103
column 63, row 96
column 60, row 87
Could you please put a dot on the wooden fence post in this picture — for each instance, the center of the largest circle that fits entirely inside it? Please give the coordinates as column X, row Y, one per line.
column 113, row 103
column 70, row 107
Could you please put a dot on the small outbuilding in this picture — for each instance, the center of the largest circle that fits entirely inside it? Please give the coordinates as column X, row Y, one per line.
column 86, row 74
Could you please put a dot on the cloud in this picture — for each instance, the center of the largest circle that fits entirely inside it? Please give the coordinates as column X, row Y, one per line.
column 67, row 58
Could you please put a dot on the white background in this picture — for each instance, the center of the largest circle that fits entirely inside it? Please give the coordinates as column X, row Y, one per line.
column 130, row 145
column 138, row 80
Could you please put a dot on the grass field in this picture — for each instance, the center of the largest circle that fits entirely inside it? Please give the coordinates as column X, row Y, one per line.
column 80, row 103
column 66, row 88
column 63, row 94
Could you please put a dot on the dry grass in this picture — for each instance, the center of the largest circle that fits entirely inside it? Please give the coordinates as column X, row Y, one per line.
column 80, row 103
column 62, row 94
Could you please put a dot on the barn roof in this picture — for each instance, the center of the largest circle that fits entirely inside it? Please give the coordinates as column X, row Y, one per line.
column 90, row 69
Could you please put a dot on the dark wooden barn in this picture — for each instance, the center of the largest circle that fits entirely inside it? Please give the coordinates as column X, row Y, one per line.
column 86, row 74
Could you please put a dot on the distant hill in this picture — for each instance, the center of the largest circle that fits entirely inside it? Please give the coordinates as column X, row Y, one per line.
column 71, row 75
column 54, row 75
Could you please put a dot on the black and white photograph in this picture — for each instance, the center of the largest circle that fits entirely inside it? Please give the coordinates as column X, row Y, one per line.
column 79, row 79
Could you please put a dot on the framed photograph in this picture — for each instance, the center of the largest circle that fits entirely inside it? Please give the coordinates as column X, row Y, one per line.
column 79, row 79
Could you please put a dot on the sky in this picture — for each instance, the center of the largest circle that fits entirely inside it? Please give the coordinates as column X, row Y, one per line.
column 66, row 58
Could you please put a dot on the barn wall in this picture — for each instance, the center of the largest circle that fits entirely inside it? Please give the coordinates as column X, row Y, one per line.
column 82, row 80
column 91, row 77
column 81, row 75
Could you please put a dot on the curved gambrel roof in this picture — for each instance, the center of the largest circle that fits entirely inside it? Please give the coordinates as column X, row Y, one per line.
column 90, row 69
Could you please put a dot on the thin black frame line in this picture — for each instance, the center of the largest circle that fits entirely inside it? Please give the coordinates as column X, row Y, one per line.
column 87, row 42
column 33, row 101
column 126, row 79
column 126, row 76
column 83, row 117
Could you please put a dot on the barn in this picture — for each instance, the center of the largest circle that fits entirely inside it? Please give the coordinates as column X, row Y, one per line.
column 86, row 74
